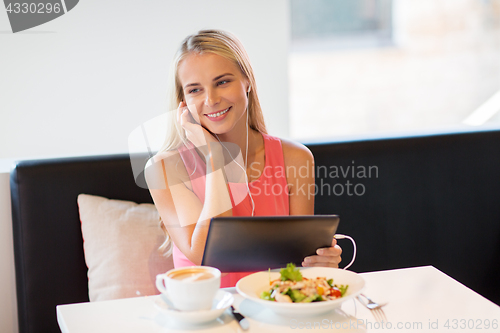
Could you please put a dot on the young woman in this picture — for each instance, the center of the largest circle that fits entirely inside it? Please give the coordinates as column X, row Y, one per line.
column 218, row 159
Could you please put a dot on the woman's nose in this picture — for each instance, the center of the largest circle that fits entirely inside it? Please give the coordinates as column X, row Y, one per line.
column 211, row 98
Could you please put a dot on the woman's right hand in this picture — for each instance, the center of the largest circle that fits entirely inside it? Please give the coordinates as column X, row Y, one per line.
column 199, row 136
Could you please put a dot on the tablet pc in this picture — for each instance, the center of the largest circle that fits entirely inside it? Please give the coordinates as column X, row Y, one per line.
column 248, row 244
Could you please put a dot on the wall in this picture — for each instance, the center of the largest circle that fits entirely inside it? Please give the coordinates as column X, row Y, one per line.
column 78, row 85
column 81, row 83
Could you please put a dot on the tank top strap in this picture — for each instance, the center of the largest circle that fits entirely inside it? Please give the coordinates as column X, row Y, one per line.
column 274, row 151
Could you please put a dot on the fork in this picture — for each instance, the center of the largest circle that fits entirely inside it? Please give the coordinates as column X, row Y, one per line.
column 374, row 307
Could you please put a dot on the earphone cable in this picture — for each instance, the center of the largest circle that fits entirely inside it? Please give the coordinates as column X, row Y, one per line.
column 243, row 168
column 340, row 236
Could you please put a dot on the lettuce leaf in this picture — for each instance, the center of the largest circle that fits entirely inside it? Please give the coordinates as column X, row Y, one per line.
column 290, row 273
column 343, row 289
column 295, row 295
column 312, row 298
column 267, row 296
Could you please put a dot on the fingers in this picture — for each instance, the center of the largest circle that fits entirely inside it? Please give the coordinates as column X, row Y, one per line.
column 190, row 122
column 181, row 113
column 194, row 132
column 194, row 114
column 311, row 260
column 185, row 120
column 321, row 261
column 180, row 109
column 329, row 251
column 321, row 264
column 186, row 115
column 327, row 257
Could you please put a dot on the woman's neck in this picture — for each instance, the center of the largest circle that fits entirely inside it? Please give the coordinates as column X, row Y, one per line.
column 239, row 137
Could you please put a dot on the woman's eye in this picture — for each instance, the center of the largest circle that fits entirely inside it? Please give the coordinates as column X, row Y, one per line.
column 222, row 82
column 195, row 90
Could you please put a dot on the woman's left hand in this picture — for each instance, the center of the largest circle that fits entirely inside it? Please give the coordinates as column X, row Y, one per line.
column 326, row 257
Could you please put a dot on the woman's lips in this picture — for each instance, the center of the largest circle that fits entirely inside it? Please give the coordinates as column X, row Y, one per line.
column 217, row 116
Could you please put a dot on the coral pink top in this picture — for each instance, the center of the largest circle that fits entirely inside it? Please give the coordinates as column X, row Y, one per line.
column 269, row 193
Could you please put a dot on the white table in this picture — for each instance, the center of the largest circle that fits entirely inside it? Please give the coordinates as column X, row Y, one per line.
column 421, row 299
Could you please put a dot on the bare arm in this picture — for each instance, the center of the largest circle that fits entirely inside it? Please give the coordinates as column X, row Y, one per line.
column 299, row 165
column 185, row 217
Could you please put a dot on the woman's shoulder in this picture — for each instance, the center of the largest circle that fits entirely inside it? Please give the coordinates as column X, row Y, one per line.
column 295, row 152
column 168, row 158
column 169, row 161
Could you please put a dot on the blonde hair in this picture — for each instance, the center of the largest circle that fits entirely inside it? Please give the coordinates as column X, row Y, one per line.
column 225, row 45
column 166, row 248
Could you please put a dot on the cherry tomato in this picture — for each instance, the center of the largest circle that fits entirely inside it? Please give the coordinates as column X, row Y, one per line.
column 335, row 292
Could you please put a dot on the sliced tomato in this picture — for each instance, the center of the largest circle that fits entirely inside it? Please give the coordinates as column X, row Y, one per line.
column 335, row 292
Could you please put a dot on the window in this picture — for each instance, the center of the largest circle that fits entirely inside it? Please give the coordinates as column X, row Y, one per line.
column 379, row 66
column 338, row 24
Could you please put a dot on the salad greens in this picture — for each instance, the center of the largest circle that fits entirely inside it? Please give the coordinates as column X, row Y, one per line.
column 290, row 273
column 343, row 289
column 267, row 296
column 291, row 287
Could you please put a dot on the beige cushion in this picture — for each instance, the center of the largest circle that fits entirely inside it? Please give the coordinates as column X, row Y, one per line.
column 121, row 240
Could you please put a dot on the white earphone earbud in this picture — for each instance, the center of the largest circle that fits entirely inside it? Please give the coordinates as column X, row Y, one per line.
column 249, row 87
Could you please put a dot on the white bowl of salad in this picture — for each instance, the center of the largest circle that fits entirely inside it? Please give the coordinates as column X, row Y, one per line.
column 301, row 291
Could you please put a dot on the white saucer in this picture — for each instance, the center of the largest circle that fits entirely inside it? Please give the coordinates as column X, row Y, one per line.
column 222, row 301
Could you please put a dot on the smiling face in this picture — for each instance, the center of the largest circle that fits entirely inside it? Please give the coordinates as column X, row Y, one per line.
column 217, row 88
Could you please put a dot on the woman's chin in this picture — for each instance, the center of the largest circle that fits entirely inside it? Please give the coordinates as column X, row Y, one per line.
column 217, row 130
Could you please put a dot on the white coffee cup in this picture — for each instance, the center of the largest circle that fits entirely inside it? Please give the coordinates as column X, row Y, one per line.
column 190, row 288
